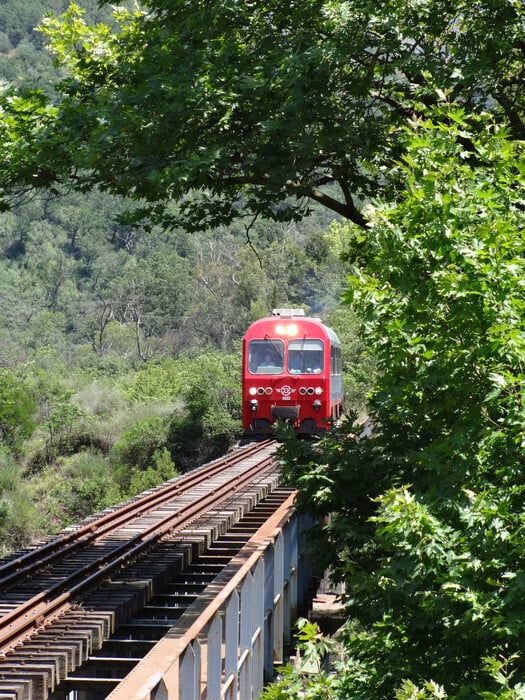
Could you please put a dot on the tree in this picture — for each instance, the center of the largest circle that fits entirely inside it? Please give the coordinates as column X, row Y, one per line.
column 427, row 514
column 230, row 108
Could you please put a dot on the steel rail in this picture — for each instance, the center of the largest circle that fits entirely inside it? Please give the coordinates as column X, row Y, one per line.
column 26, row 564
column 46, row 605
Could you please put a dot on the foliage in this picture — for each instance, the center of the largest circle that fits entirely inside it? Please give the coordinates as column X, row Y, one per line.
column 312, row 674
column 100, row 399
column 17, row 409
column 211, row 422
column 427, row 515
column 155, row 381
column 358, row 361
column 162, row 469
column 67, row 426
column 270, row 105
column 138, row 444
column 19, row 521
column 79, row 486
column 111, row 299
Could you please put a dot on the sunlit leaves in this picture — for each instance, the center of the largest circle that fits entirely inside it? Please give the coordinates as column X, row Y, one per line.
column 252, row 108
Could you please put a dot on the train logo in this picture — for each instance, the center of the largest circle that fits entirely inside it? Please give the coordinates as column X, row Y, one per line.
column 286, row 392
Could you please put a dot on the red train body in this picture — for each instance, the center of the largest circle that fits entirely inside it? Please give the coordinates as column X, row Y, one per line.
column 292, row 372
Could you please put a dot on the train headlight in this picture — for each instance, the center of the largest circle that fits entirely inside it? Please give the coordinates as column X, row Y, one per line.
column 254, row 404
column 268, row 390
column 252, row 391
column 317, row 404
column 318, row 390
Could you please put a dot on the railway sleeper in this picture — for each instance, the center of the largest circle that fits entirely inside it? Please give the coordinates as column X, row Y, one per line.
column 40, row 685
column 116, row 610
column 21, row 691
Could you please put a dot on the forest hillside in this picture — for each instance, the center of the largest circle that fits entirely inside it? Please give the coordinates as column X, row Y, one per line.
column 120, row 345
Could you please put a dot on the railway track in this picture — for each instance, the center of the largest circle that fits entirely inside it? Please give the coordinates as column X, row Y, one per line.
column 111, row 579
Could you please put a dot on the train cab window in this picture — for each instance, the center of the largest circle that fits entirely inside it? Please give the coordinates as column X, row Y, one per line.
column 265, row 356
column 305, row 356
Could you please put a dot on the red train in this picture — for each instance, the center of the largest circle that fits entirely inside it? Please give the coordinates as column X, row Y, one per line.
column 292, row 372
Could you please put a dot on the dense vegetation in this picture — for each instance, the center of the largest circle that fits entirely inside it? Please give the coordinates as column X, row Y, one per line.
column 407, row 119
column 427, row 525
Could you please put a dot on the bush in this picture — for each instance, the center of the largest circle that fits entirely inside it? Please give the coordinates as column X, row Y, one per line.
column 77, row 487
column 99, row 400
column 161, row 470
column 162, row 381
column 137, row 445
column 17, row 409
column 19, row 521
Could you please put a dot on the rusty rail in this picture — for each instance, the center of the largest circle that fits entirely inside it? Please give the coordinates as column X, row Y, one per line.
column 56, row 548
column 39, row 610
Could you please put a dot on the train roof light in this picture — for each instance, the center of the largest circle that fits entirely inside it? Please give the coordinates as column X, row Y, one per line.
column 289, row 329
column 288, row 313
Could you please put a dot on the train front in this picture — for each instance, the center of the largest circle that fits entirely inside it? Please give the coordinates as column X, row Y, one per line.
column 286, row 374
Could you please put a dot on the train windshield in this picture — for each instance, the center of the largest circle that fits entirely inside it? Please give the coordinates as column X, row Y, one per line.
column 305, row 356
column 266, row 356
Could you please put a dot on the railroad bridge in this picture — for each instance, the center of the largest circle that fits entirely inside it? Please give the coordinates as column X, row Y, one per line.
column 189, row 591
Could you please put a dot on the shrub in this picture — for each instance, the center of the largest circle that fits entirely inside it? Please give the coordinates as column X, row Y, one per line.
column 19, row 521
column 138, row 444
column 17, row 409
column 77, row 487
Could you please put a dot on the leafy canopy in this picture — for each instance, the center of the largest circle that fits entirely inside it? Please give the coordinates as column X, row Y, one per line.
column 246, row 108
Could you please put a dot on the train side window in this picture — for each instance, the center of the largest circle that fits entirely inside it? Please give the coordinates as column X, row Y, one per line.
column 335, row 360
column 265, row 356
